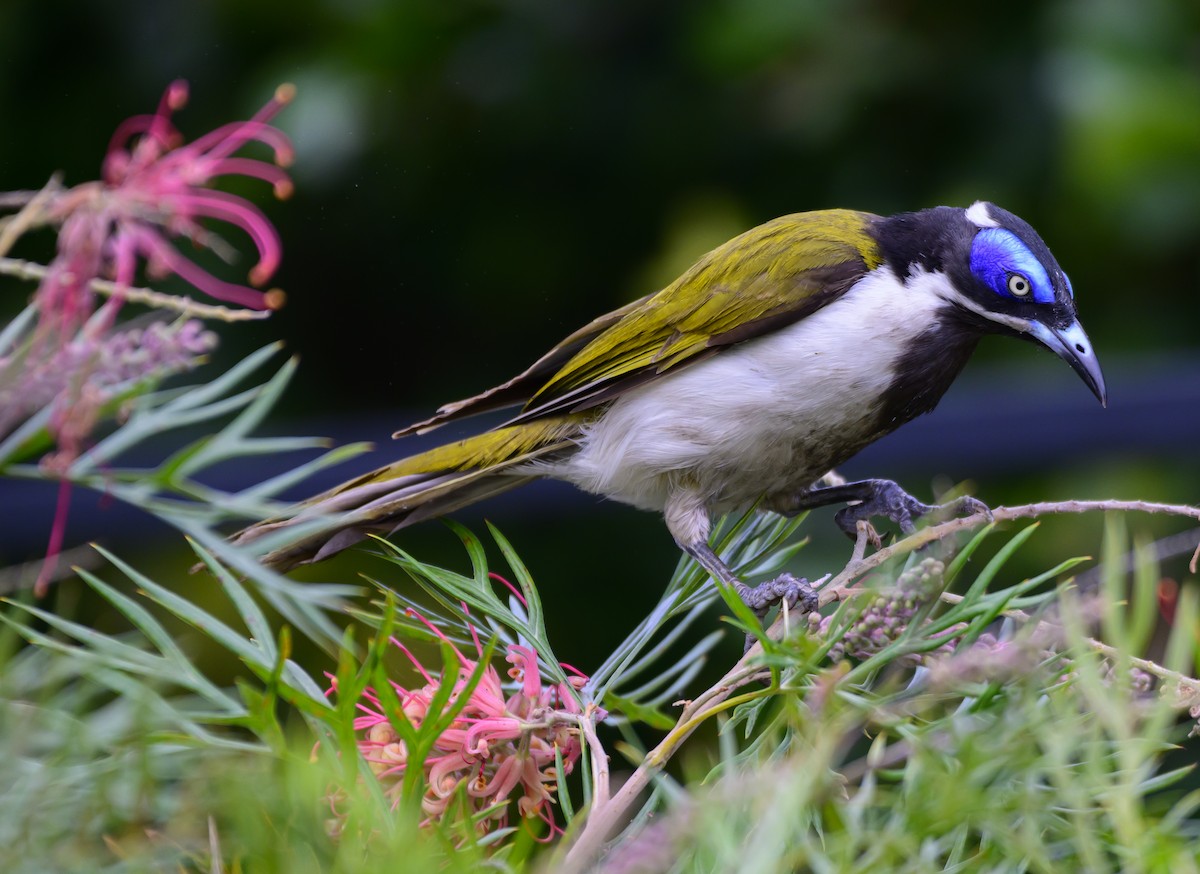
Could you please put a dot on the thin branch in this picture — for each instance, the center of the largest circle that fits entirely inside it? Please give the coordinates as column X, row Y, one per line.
column 149, row 297
column 29, row 215
column 15, row 199
column 942, row 530
column 600, row 779
column 1163, row 549
column 865, row 533
column 1182, row 681
column 603, row 819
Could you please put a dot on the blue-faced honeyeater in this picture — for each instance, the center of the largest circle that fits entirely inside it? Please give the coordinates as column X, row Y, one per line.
column 774, row 358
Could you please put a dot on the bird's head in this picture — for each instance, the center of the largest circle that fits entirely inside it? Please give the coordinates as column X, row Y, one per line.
column 996, row 273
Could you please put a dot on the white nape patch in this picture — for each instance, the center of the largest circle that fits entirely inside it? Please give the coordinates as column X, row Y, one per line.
column 979, row 215
column 768, row 415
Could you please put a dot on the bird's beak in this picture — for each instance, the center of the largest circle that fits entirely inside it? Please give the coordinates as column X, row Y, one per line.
column 1072, row 345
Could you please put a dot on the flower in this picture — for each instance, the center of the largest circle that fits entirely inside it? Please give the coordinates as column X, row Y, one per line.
column 106, row 364
column 503, row 742
column 154, row 188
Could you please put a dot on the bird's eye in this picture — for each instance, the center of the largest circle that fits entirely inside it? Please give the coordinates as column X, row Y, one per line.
column 1018, row 285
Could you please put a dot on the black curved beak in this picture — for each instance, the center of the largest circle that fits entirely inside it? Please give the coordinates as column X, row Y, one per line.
column 1072, row 345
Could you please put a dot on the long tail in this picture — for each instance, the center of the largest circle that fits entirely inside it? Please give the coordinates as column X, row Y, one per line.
column 433, row 483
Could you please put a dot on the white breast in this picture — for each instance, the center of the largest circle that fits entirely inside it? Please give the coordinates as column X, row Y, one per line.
column 770, row 414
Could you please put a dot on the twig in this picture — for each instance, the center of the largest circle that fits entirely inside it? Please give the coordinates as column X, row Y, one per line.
column 1165, row 548
column 149, row 297
column 1154, row 668
column 14, row 199
column 1001, row 514
column 603, row 818
column 864, row 531
column 28, row 216
column 587, row 725
column 16, row 578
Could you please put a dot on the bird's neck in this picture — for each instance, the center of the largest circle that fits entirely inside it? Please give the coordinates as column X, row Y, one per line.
column 925, row 372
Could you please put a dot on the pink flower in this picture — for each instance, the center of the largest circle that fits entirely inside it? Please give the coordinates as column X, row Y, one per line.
column 503, row 743
column 154, row 189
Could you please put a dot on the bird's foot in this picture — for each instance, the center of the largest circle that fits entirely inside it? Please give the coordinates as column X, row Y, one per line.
column 785, row 589
column 887, row 499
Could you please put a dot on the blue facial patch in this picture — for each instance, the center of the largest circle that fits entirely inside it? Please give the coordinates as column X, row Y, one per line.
column 1008, row 267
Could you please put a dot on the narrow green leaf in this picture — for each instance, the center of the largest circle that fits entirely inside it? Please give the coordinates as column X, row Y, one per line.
column 475, row 551
column 1003, row 555
column 253, row 618
column 1113, row 582
column 1143, row 615
column 100, row 648
column 159, row 637
column 202, row 395
column 229, row 440
column 632, row 710
column 269, row 488
column 964, row 555
column 149, row 422
column 192, row 614
column 537, row 619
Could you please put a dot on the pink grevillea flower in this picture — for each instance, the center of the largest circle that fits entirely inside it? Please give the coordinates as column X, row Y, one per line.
column 153, row 191
column 501, row 745
column 154, row 188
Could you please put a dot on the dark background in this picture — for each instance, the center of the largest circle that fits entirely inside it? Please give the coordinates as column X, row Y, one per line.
column 474, row 180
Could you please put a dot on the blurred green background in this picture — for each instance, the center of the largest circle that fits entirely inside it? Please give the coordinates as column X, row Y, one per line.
column 474, row 180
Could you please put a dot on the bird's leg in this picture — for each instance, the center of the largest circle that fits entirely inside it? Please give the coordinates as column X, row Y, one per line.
column 875, row 497
column 784, row 589
column 688, row 521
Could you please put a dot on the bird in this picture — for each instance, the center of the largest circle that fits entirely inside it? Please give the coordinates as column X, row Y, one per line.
column 775, row 358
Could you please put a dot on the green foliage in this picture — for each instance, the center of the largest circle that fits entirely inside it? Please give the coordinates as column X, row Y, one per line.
column 1044, row 756
column 1057, row 768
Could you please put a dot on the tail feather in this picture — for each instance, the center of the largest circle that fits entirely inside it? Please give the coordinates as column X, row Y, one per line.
column 433, row 483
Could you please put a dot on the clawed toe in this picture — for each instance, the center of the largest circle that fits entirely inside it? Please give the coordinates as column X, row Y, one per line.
column 960, row 507
column 785, row 589
column 797, row 594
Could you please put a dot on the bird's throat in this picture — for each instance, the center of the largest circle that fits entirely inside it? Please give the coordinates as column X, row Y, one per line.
column 926, row 370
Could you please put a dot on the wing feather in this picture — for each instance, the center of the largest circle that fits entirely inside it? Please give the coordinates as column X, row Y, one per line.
column 760, row 281
column 524, row 385
column 767, row 278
